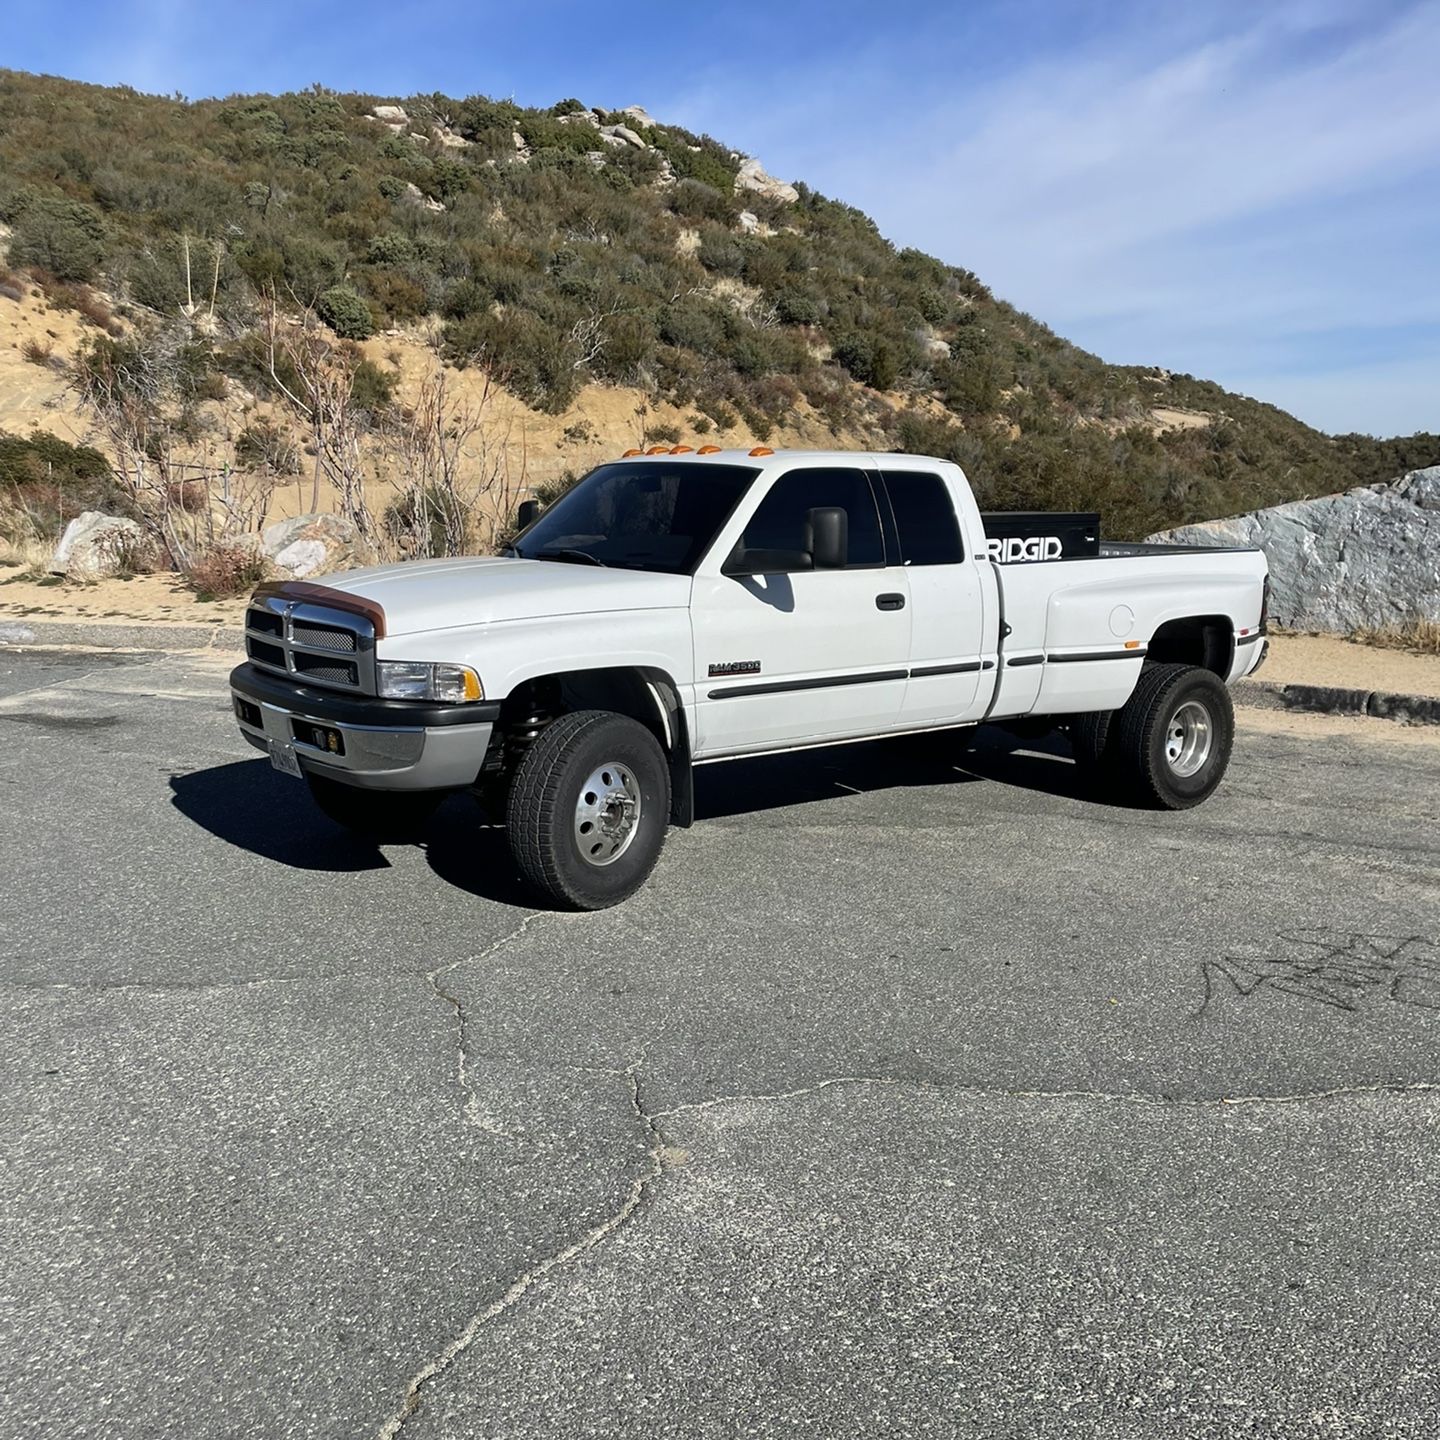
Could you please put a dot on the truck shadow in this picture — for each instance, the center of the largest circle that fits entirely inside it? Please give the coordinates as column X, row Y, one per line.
column 250, row 806
column 1041, row 764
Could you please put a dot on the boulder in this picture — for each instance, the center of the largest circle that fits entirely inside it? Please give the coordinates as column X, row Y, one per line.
column 579, row 117
column 753, row 176
column 392, row 115
column 1366, row 559
column 414, row 195
column 311, row 544
column 640, row 115
column 624, row 134
column 748, row 221
column 96, row 546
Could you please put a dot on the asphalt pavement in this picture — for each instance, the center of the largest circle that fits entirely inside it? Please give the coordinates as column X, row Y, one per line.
column 922, row 1092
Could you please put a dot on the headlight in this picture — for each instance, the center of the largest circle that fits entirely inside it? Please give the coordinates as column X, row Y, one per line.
column 421, row 680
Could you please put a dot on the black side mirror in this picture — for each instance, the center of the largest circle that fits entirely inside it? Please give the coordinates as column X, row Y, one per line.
column 527, row 514
column 827, row 529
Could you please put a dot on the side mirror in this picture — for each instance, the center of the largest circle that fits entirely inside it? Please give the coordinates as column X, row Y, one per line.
column 527, row 514
column 827, row 528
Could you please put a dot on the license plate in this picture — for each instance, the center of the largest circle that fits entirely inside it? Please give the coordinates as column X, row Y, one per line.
column 282, row 757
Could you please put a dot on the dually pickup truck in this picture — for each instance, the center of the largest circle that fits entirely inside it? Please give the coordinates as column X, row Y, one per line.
column 679, row 608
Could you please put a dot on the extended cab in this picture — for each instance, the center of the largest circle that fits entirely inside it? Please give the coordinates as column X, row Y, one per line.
column 680, row 608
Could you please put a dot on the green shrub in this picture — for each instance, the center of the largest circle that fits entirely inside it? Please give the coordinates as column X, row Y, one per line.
column 62, row 236
column 263, row 444
column 872, row 360
column 391, row 248
column 719, row 253
column 530, row 355
column 797, row 307
column 52, row 481
column 345, row 313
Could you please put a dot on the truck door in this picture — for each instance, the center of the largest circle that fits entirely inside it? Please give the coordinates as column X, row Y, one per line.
column 787, row 654
column 947, row 625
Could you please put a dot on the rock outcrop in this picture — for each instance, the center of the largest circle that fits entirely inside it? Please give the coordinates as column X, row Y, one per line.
column 1367, row 559
column 96, row 546
column 311, row 544
column 753, row 176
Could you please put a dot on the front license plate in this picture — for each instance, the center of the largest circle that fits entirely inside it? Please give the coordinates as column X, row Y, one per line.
column 282, row 757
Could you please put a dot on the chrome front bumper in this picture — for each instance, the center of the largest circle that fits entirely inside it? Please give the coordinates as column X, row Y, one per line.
column 379, row 753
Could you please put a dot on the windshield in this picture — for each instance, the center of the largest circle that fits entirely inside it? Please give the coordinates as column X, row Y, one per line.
column 650, row 516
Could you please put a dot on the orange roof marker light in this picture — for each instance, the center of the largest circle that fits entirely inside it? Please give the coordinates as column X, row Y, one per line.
column 708, row 450
column 658, row 450
column 629, row 453
column 762, row 450
column 681, row 449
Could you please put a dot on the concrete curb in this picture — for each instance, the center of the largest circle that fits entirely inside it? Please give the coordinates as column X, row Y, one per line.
column 108, row 635
column 1333, row 700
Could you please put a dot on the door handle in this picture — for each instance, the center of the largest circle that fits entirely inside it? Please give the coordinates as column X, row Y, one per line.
column 891, row 601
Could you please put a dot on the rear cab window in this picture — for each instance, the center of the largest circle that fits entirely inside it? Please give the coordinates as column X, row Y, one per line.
column 926, row 526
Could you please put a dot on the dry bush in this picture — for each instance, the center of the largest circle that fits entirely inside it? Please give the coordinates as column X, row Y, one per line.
column 455, row 490
column 28, row 556
column 38, row 352
column 191, row 496
column 134, row 391
column 12, row 285
column 224, row 571
column 1419, row 635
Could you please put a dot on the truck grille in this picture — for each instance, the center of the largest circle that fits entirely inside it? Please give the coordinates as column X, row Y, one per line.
column 311, row 642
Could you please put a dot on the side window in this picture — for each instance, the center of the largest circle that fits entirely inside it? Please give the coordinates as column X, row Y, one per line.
column 780, row 521
column 925, row 518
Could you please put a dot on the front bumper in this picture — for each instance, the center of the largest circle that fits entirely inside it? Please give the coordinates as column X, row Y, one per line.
column 388, row 744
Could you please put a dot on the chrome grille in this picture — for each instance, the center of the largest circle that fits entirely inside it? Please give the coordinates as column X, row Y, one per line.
column 322, row 667
column 311, row 642
column 323, row 637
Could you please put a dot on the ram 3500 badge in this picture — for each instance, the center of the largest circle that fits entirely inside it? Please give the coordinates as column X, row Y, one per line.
column 686, row 608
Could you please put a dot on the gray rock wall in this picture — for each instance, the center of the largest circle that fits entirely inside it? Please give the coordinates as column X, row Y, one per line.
column 1367, row 559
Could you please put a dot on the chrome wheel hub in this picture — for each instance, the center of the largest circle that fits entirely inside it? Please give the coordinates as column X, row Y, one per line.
column 607, row 814
column 1189, row 738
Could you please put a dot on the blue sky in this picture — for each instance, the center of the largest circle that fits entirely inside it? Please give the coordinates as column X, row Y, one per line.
column 1246, row 191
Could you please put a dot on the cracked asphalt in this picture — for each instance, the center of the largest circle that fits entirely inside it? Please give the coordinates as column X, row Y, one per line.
column 920, row 1094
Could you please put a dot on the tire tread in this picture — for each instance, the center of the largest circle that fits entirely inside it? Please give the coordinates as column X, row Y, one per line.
column 1133, row 731
column 533, row 796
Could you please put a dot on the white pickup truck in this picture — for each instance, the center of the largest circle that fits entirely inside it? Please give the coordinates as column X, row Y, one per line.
column 683, row 607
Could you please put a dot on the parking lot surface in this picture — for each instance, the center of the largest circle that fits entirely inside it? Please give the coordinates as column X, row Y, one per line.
column 920, row 1093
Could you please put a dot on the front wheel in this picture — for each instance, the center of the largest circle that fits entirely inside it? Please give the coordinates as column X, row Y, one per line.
column 588, row 809
column 1172, row 738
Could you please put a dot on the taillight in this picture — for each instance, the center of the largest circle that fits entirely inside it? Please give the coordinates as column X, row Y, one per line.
column 1265, row 606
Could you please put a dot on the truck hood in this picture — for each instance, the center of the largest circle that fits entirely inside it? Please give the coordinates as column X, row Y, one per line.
column 446, row 594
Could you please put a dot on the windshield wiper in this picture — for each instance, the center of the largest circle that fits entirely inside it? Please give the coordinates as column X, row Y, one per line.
column 581, row 557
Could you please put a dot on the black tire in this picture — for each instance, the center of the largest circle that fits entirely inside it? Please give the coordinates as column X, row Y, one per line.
column 1172, row 701
column 1090, row 735
column 542, row 816
column 387, row 815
